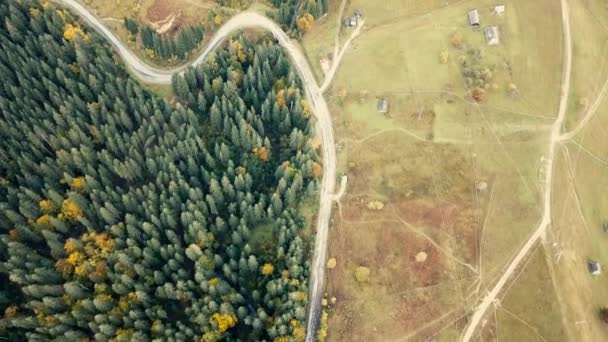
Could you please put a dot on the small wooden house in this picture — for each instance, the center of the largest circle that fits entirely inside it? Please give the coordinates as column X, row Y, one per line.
column 594, row 267
column 492, row 35
column 474, row 18
column 383, row 105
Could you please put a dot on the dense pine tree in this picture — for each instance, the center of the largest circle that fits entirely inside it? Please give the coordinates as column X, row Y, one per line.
column 163, row 47
column 123, row 218
column 289, row 11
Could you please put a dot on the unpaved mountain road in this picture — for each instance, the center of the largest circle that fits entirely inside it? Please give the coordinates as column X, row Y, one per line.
column 556, row 134
column 588, row 114
column 149, row 74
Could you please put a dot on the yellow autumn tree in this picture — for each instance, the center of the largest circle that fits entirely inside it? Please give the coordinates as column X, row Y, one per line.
column 299, row 334
column 71, row 31
column 281, row 101
column 305, row 22
column 46, row 206
column 305, row 108
column 218, row 20
column 224, row 321
column 10, row 311
column 267, row 269
column 150, row 53
column 240, row 51
column 444, row 56
column 75, row 258
column 262, row 153
column 44, row 221
column 322, row 333
column 70, row 210
column 299, row 295
column 362, row 274
column 78, row 184
column 317, row 170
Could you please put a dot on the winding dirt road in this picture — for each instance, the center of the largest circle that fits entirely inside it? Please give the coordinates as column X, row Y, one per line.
column 588, row 114
column 149, row 74
column 556, row 134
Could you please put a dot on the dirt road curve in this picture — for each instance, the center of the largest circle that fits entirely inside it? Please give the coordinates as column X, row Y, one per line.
column 243, row 20
column 588, row 115
column 546, row 219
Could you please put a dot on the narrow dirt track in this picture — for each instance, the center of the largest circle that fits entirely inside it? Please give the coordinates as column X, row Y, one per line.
column 149, row 74
column 556, row 133
column 588, row 114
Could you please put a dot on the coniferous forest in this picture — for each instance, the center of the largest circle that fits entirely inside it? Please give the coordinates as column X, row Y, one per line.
column 124, row 217
column 290, row 12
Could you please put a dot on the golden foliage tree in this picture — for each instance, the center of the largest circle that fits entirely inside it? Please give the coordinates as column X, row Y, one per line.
column 70, row 32
column 322, row 333
column 10, row 311
column 46, row 206
column 317, row 170
column 262, row 153
column 281, row 101
column 78, row 184
column 224, row 321
column 362, row 274
column 305, row 22
column 267, row 269
column 444, row 56
column 70, row 210
column 478, row 94
column 218, row 19
column 44, row 221
column 457, row 39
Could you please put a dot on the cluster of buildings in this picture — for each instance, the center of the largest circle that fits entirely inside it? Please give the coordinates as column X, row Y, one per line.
column 491, row 32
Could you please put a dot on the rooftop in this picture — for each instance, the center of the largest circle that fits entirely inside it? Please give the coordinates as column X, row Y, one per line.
column 492, row 35
column 383, row 105
column 474, row 18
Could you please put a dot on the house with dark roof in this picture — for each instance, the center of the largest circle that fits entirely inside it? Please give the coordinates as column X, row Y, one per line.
column 594, row 267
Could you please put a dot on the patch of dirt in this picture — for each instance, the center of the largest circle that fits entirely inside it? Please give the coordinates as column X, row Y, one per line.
column 426, row 213
column 163, row 11
column 160, row 10
column 455, row 218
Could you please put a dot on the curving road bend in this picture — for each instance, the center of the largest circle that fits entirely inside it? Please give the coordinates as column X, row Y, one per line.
column 150, row 74
column 556, row 131
column 588, row 115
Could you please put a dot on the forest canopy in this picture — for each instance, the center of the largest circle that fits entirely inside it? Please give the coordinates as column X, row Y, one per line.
column 126, row 218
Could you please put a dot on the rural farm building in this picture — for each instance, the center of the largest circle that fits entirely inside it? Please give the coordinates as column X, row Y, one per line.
column 492, row 35
column 499, row 10
column 383, row 105
column 350, row 21
column 594, row 267
column 474, row 18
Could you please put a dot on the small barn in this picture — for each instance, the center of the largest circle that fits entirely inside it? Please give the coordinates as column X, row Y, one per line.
column 594, row 267
column 492, row 35
column 474, row 18
column 351, row 21
column 383, row 105
column 499, row 10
